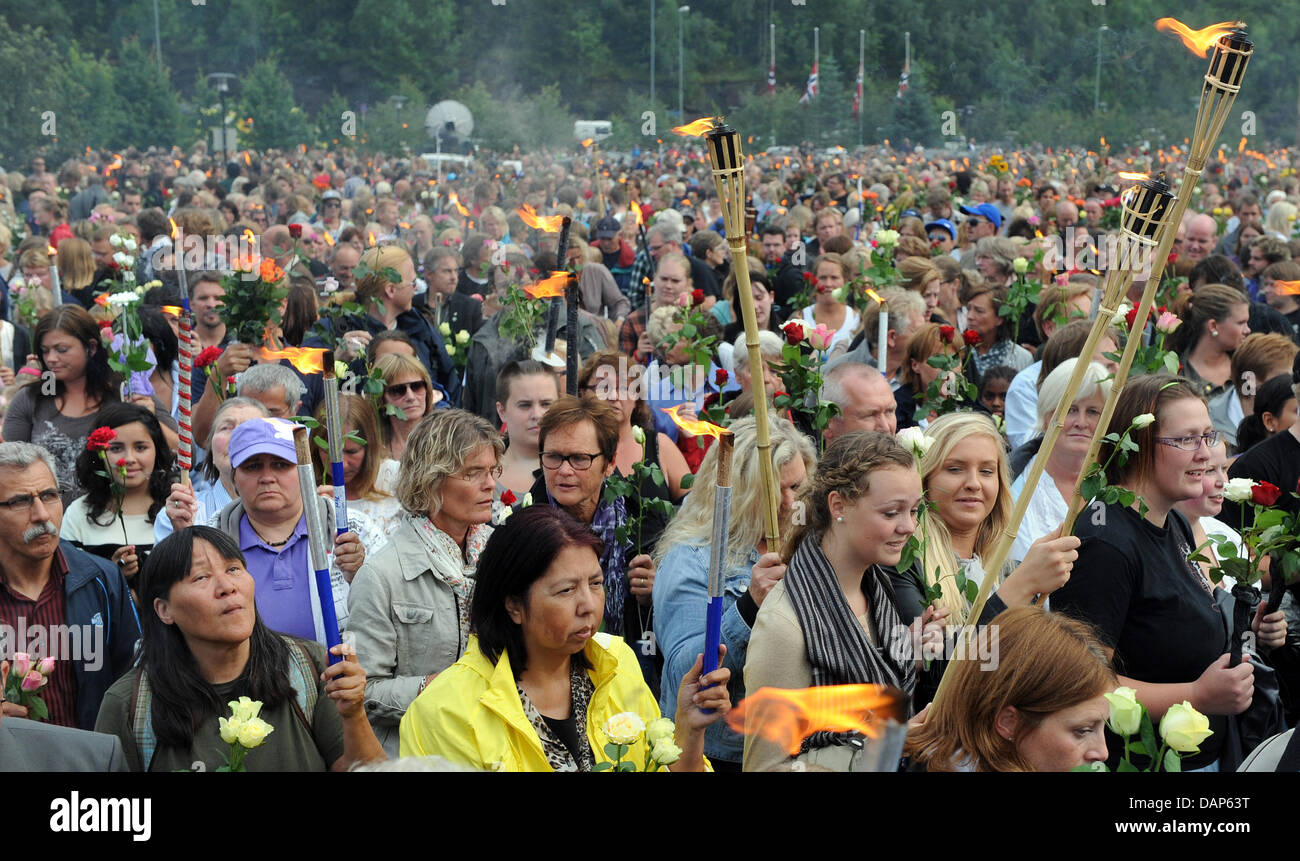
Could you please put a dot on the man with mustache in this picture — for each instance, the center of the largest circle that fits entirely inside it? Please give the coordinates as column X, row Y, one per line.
column 49, row 588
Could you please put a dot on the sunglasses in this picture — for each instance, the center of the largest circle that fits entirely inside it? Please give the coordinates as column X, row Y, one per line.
column 939, row 237
column 397, row 390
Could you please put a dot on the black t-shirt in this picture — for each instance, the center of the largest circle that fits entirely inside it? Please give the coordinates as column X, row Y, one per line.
column 1134, row 584
column 1275, row 460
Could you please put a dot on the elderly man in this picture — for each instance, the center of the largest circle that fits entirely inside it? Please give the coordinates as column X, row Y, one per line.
column 276, row 387
column 55, row 600
column 267, row 520
column 866, row 402
column 1201, row 232
column 344, row 260
column 441, row 303
column 906, row 315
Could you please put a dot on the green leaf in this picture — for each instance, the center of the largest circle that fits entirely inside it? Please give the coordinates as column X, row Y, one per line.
column 1125, row 765
column 37, row 710
column 1173, row 762
column 688, row 480
column 1148, row 732
column 1171, row 364
column 1138, row 748
column 972, row 591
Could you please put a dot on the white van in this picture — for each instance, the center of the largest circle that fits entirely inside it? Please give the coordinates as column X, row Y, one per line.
column 597, row 130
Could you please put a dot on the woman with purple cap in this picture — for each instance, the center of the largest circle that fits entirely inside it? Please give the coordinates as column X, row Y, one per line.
column 266, row 519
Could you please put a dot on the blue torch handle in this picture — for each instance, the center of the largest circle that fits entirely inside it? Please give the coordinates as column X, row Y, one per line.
column 340, row 498
column 325, row 591
column 712, row 637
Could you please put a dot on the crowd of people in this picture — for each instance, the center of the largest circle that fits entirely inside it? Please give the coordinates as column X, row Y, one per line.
column 524, row 564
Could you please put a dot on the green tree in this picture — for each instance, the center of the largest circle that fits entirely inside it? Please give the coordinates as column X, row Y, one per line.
column 396, row 125
column 267, row 98
column 329, row 121
column 26, row 97
column 914, row 119
column 151, row 114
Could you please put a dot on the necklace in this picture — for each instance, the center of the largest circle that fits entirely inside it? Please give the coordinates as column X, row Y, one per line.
column 269, row 543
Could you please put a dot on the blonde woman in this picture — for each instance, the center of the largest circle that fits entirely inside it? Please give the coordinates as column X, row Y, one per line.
column 77, row 270
column 968, row 488
column 409, row 395
column 751, row 568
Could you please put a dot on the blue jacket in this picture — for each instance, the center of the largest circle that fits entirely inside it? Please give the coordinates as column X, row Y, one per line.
column 97, row 595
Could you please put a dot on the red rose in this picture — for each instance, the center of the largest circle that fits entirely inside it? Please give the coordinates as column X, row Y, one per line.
column 1131, row 317
column 207, row 356
column 947, row 333
column 295, row 230
column 100, row 438
column 508, row 498
column 721, row 377
column 971, row 337
column 697, row 297
column 121, row 461
column 810, row 278
column 710, row 399
column 1172, row 259
column 793, row 332
column 1265, row 494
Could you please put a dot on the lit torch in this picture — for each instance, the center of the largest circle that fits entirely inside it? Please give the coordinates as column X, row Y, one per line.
column 316, row 540
column 882, row 332
column 334, row 442
column 308, row 360
column 55, row 286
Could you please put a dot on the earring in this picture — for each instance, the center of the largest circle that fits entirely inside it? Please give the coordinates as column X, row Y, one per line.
column 840, row 519
column 1214, row 334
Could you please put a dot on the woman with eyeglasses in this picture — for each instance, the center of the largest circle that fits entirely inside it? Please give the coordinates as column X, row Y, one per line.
column 1154, row 610
column 578, row 440
column 409, row 395
column 409, row 604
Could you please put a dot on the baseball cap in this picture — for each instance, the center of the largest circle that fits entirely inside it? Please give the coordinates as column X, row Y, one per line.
column 262, row 436
column 607, row 228
column 942, row 224
column 331, row 195
column 984, row 210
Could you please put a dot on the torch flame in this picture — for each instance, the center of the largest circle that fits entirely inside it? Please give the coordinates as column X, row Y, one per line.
column 1198, row 42
column 329, row 240
column 1286, row 288
column 173, row 310
column 696, row 128
column 454, row 200
column 371, row 237
column 1130, row 175
column 52, row 251
column 1103, row 140
column 787, row 717
column 548, row 288
column 588, row 141
column 636, row 210
column 874, row 295
column 308, row 360
column 547, row 224
column 174, row 228
column 1241, row 146
column 694, row 426
column 248, row 161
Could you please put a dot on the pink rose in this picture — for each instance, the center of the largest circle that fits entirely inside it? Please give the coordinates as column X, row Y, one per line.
column 820, row 338
column 22, row 663
column 684, row 300
column 46, row 666
column 1167, row 322
column 33, row 681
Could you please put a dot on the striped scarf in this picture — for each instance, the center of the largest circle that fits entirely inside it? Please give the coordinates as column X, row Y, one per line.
column 838, row 647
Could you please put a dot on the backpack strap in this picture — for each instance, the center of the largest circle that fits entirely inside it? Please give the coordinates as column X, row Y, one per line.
column 142, row 720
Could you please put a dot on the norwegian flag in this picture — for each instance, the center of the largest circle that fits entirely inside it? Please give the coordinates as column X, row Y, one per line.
column 857, row 93
column 771, row 77
column 810, row 91
column 902, row 79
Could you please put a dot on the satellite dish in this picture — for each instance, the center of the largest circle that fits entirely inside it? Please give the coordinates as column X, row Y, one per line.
column 449, row 116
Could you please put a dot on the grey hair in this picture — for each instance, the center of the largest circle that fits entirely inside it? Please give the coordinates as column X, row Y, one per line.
column 666, row 231
column 836, row 377
column 769, row 346
column 438, row 447
column 1096, row 380
column 20, row 455
column 263, row 378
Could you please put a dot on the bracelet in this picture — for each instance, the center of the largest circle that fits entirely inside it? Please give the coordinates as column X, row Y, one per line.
column 423, row 684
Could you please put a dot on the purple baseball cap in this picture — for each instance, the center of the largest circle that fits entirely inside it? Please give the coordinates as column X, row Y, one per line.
column 262, row 436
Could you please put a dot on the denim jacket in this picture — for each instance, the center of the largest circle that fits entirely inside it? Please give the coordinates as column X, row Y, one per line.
column 681, row 600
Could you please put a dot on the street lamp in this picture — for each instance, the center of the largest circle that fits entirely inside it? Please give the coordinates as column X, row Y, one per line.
column 652, row 54
column 1096, row 95
column 681, row 64
column 223, row 80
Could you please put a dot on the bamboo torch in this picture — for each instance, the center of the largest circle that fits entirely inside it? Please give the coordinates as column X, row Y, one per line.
column 729, row 177
column 334, row 442
column 316, row 538
column 1232, row 52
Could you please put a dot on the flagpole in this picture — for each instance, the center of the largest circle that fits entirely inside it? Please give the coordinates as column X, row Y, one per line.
column 771, row 75
column 817, row 50
column 862, row 58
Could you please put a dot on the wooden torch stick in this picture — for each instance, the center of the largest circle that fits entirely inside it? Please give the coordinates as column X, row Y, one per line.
column 729, row 178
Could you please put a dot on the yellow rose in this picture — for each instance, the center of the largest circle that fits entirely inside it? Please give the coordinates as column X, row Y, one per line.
column 462, row 337
column 244, row 709
column 624, row 728
column 1125, row 712
column 230, row 729
column 665, row 752
column 1184, row 728
column 445, row 328
column 254, row 732
column 659, row 729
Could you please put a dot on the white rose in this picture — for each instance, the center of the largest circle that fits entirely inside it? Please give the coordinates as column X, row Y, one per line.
column 1238, row 489
column 624, row 728
column 129, row 244
column 1143, row 421
column 1184, row 728
column 915, row 440
column 115, row 240
column 1121, row 314
column 1125, row 711
column 1020, row 265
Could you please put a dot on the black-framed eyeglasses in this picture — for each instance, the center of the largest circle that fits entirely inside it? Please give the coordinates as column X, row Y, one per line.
column 397, row 390
column 1190, row 443
column 578, row 460
column 24, row 501
column 337, row 203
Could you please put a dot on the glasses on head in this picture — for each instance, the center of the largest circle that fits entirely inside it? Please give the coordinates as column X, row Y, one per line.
column 577, row 460
column 1190, row 443
column 397, row 390
column 24, row 501
column 475, row 476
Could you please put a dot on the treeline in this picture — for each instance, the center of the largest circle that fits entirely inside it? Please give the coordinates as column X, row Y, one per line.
column 1014, row 71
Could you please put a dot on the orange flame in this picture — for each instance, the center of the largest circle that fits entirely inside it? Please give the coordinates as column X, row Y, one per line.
column 588, row 141
column 309, row 360
column 874, row 295
column 1103, row 140
column 454, row 200
column 787, row 717
column 1241, row 146
column 640, row 218
column 52, row 251
column 693, row 426
column 249, row 235
column 547, row 224
column 1198, row 42
column 329, row 240
column 248, row 161
column 174, row 310
column 696, row 128
column 174, row 228
column 371, row 237
column 548, row 288
column 1130, row 175
column 1286, row 288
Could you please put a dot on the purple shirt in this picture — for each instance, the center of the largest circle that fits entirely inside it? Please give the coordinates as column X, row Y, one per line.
column 281, row 576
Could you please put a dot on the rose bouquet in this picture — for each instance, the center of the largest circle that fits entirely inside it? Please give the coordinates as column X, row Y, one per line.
column 1182, row 730
column 243, row 731
column 952, row 390
column 26, row 678
column 251, row 307
column 800, row 370
column 99, row 441
column 626, row 729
